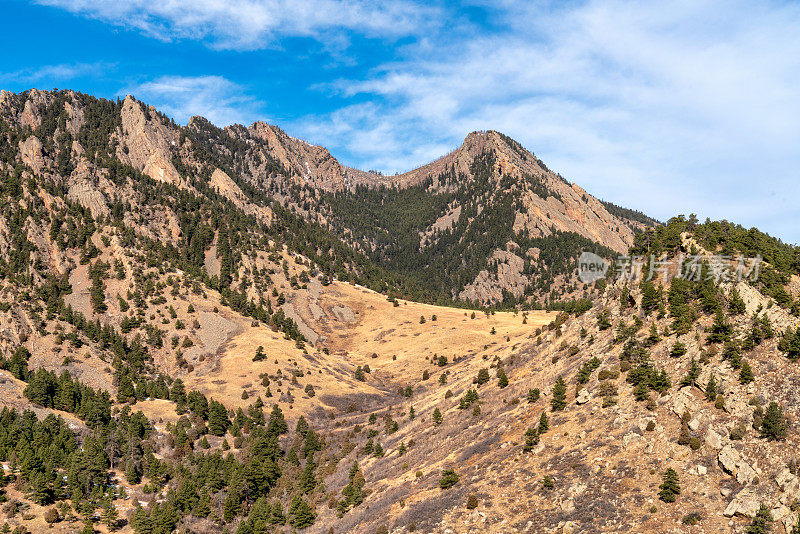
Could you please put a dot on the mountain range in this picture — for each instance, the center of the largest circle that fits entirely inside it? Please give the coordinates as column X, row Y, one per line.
column 210, row 329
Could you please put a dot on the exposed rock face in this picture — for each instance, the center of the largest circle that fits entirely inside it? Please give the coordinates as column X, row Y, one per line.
column 31, row 152
column 226, row 187
column 488, row 287
column 789, row 484
column 148, row 143
column 313, row 164
column 86, row 194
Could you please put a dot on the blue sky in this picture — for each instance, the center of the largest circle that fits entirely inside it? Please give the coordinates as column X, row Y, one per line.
column 668, row 107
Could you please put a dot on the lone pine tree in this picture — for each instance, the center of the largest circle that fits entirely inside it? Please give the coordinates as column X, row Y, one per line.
column 670, row 486
column 559, row 400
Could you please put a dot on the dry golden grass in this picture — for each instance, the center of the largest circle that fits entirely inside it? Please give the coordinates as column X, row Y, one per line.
column 356, row 327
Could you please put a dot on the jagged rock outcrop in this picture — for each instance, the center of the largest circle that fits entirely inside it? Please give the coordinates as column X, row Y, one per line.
column 31, row 152
column 146, row 143
column 488, row 287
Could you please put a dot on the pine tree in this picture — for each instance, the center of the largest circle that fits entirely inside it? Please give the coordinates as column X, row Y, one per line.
column 559, row 400
column 302, row 515
column 711, row 388
column 761, row 522
column 307, row 479
column 277, row 423
column 533, row 395
column 670, row 486
column 544, row 423
column 437, row 417
column 125, row 390
column 773, row 427
column 502, row 378
column 131, row 473
column 603, row 320
column 678, row 349
column 685, row 436
column 736, row 303
column 110, row 514
column 692, row 375
column 178, row 393
column 746, row 374
column 653, row 337
column 721, row 330
column 531, row 440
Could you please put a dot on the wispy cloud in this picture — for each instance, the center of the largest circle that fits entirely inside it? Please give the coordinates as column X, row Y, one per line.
column 253, row 24
column 218, row 99
column 668, row 107
column 54, row 73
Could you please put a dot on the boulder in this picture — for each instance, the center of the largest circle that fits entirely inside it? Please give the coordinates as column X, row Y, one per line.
column 683, row 402
column 746, row 474
column 715, row 440
column 789, row 484
column 694, row 424
column 583, row 397
column 729, row 459
column 746, row 503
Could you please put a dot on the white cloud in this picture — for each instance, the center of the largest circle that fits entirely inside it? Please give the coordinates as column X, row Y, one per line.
column 54, row 73
column 666, row 107
column 218, row 99
column 253, row 24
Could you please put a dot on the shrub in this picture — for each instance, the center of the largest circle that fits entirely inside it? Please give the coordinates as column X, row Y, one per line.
column 51, row 515
column 449, row 479
column 692, row 518
column 738, row 432
column 607, row 374
column 472, row 502
column 547, row 482
column 483, row 377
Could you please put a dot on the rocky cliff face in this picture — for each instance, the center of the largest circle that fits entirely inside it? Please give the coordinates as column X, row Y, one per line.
column 488, row 173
